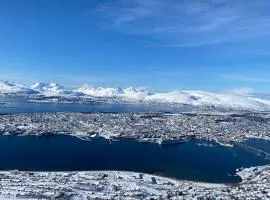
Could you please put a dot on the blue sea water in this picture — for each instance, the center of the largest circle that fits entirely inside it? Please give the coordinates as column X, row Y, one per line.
column 182, row 161
column 15, row 105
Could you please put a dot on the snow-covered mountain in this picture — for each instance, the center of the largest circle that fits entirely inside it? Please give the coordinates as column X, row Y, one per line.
column 100, row 91
column 7, row 88
column 46, row 86
column 200, row 98
column 48, row 89
column 135, row 93
column 126, row 93
column 227, row 100
column 54, row 90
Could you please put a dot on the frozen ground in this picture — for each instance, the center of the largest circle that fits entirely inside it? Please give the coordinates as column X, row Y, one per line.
column 128, row 185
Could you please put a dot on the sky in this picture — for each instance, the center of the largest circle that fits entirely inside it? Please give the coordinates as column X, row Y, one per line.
column 212, row 45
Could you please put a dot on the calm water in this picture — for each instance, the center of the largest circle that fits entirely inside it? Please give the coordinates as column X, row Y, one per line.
column 183, row 161
column 24, row 106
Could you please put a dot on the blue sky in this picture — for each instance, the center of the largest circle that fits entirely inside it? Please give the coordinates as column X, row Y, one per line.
column 210, row 45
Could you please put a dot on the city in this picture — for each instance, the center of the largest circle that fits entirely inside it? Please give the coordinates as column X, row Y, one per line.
column 224, row 129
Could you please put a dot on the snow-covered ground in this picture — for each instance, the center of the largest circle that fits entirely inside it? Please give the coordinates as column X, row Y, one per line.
column 151, row 127
column 226, row 100
column 128, row 185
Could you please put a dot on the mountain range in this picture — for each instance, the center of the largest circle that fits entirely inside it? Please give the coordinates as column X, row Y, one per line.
column 228, row 100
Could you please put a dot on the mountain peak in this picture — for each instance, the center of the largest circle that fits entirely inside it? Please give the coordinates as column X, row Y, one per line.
column 46, row 86
column 7, row 87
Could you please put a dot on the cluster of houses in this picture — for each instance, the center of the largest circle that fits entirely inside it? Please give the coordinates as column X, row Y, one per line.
column 148, row 127
column 128, row 185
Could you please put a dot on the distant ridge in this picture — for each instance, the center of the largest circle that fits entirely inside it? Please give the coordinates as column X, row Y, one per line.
column 14, row 89
column 228, row 100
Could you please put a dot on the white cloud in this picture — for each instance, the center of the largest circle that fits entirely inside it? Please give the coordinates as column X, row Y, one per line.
column 246, row 78
column 189, row 23
column 241, row 91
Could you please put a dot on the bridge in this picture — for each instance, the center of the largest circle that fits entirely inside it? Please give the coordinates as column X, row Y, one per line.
column 254, row 150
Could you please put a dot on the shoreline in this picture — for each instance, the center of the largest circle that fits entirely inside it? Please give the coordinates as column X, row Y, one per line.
column 124, row 184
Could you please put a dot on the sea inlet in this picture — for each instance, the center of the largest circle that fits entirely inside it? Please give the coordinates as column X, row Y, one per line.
column 194, row 160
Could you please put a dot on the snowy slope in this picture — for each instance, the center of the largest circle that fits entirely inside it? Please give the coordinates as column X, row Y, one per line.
column 53, row 89
column 7, row 88
column 228, row 100
column 200, row 98
column 100, row 91
column 135, row 93
column 130, row 93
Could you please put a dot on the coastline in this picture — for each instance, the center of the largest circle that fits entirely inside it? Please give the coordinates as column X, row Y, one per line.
column 130, row 185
